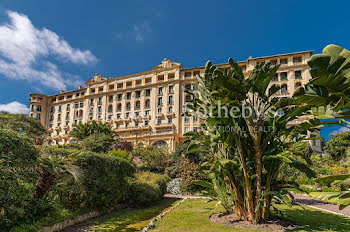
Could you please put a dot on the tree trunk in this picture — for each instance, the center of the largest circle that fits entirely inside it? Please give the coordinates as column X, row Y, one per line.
column 258, row 156
column 44, row 184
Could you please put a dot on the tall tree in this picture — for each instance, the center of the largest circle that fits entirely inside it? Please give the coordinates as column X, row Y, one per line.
column 23, row 124
column 338, row 145
column 247, row 139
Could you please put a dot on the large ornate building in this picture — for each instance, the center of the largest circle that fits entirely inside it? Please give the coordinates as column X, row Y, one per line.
column 147, row 107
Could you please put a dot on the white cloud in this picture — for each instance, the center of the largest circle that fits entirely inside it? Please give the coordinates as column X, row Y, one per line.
column 15, row 108
column 340, row 130
column 23, row 48
column 137, row 32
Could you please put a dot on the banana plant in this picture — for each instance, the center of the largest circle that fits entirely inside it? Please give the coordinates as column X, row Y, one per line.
column 328, row 92
column 247, row 140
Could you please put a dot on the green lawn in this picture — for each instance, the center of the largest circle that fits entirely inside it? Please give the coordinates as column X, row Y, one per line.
column 130, row 220
column 193, row 215
column 330, row 197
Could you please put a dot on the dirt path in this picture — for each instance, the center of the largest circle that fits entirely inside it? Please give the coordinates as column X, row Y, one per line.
column 321, row 205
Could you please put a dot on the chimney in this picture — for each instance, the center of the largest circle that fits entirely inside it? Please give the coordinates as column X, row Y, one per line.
column 61, row 91
column 80, row 87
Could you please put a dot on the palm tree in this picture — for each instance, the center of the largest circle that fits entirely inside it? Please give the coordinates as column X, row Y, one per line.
column 247, row 146
column 53, row 168
column 82, row 131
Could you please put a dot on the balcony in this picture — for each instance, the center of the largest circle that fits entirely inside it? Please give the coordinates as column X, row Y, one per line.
column 57, row 128
column 56, row 137
column 165, row 126
column 170, row 114
column 65, row 136
column 66, row 128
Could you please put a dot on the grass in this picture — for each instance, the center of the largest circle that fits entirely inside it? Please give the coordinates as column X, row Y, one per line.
column 130, row 220
column 193, row 215
column 56, row 215
column 329, row 197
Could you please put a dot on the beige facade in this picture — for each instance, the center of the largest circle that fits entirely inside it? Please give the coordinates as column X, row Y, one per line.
column 147, row 107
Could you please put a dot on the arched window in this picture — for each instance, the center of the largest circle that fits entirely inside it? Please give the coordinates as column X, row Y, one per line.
column 161, row 144
column 147, row 104
column 137, row 105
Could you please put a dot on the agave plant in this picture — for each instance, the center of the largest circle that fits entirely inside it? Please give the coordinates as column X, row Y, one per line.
column 247, row 147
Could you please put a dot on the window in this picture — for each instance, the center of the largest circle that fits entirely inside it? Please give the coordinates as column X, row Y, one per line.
column 68, row 107
column 52, row 109
column 110, row 99
column 296, row 60
column 137, row 113
column 91, row 101
column 127, row 115
column 170, row 120
column 195, row 118
column 118, row 116
column 161, row 78
column 188, row 87
column 171, row 89
column 38, row 116
column 148, row 92
column 119, row 107
column 126, row 125
column 275, row 78
column 129, row 84
column 138, row 94
column 120, row 96
column 110, row 109
column 284, row 61
column 128, row 96
column 159, row 121
column 99, row 109
column 280, row 112
column 147, row 112
column 188, row 74
column 196, row 73
column 297, row 74
column 38, row 108
column 32, row 108
column 81, row 104
column 51, row 117
column 171, row 76
column 195, row 129
column 111, row 87
column 186, row 129
column 110, row 117
column 99, row 101
column 298, row 84
column 283, row 76
column 170, row 109
column 100, row 89
column 59, row 117
column 284, row 89
column 147, row 104
column 136, row 123
column 128, row 106
column 159, row 110
column 160, row 90
column 187, row 119
column 160, row 101
column 76, row 105
column 170, row 100
column 146, row 122
column 138, row 105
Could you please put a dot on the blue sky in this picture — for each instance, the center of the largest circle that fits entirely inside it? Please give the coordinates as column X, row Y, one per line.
column 66, row 42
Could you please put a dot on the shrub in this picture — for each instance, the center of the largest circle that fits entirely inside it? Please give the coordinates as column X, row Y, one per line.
column 120, row 154
column 146, row 188
column 152, row 158
column 98, row 143
column 174, row 186
column 103, row 182
column 18, row 163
